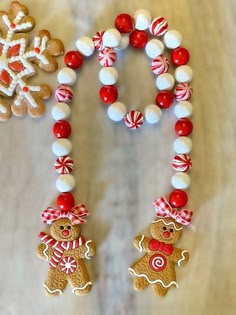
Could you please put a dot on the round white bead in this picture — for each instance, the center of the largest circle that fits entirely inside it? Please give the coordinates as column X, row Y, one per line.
column 142, row 19
column 183, row 109
column 111, row 38
column 116, row 111
column 85, row 45
column 61, row 147
column 183, row 74
column 108, row 75
column 172, row 39
column 61, row 111
column 124, row 42
column 152, row 114
column 154, row 48
column 66, row 76
column 180, row 180
column 65, row 183
column 165, row 81
column 183, row 145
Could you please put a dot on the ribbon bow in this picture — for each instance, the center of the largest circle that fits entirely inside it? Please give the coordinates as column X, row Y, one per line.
column 75, row 215
column 163, row 209
column 161, row 247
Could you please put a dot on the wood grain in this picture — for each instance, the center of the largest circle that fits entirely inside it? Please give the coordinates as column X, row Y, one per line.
column 120, row 172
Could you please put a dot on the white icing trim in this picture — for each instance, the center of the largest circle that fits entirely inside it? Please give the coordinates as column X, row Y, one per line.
column 52, row 291
column 44, row 252
column 3, row 109
column 183, row 257
column 88, row 249
column 155, row 281
column 82, row 288
column 168, row 224
column 140, row 244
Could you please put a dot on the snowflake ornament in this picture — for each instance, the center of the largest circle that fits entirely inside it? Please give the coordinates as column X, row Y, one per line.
column 18, row 58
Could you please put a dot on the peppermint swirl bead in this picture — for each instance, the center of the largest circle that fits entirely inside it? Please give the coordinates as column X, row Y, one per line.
column 158, row 26
column 183, row 92
column 64, row 94
column 98, row 40
column 160, row 65
column 182, row 163
column 107, row 57
column 134, row 119
column 64, row 165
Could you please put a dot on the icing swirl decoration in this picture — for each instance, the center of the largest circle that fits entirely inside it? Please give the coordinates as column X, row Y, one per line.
column 157, row 262
column 68, row 265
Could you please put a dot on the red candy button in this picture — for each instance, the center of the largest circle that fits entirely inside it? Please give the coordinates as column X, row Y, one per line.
column 164, row 99
column 62, row 129
column 124, row 23
column 138, row 39
column 108, row 94
column 65, row 201
column 180, row 56
column 178, row 198
column 183, row 127
column 73, row 59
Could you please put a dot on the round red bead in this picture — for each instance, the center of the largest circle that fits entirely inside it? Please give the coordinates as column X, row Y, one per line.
column 178, row 198
column 180, row 56
column 108, row 94
column 164, row 99
column 65, row 201
column 124, row 23
column 183, row 127
column 62, row 129
column 138, row 39
column 73, row 59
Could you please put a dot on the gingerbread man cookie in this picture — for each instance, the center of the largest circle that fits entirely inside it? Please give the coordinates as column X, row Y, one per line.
column 65, row 250
column 157, row 267
column 17, row 59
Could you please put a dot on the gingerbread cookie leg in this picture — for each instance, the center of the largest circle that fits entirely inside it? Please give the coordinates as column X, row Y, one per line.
column 159, row 290
column 79, row 280
column 55, row 283
column 140, row 283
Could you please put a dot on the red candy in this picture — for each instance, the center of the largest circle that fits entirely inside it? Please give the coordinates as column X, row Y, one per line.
column 180, row 56
column 183, row 127
column 108, row 94
column 138, row 39
column 164, row 99
column 124, row 23
column 65, row 201
column 178, row 198
column 62, row 129
column 73, row 59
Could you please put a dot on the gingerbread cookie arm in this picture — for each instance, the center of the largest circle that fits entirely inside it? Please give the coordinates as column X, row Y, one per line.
column 44, row 251
column 180, row 256
column 87, row 250
column 141, row 242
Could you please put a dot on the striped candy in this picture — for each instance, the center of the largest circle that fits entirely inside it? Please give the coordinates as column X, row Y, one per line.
column 183, row 92
column 68, row 265
column 160, row 65
column 64, row 94
column 107, row 57
column 158, row 26
column 181, row 163
column 134, row 119
column 97, row 40
column 64, row 165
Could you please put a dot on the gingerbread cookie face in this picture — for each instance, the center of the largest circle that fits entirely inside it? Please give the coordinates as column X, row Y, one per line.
column 166, row 230
column 18, row 55
column 63, row 230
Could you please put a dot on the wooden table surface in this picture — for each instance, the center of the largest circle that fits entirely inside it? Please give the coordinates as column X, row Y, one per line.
column 119, row 172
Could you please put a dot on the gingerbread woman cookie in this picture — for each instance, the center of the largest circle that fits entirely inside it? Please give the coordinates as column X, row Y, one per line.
column 17, row 59
column 157, row 267
column 65, row 250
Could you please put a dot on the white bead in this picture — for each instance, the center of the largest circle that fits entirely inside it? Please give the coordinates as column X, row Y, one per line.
column 180, row 180
column 61, row 111
column 111, row 38
column 183, row 145
column 165, row 81
column 124, row 42
column 183, row 109
column 85, row 45
column 116, row 111
column 183, row 74
column 154, row 48
column 66, row 76
column 142, row 19
column 152, row 114
column 108, row 75
column 172, row 39
column 65, row 183
column 61, row 147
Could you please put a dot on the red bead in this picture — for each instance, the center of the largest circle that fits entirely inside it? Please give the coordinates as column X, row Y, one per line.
column 65, row 201
column 178, row 198
column 164, row 99
column 62, row 129
column 180, row 56
column 183, row 127
column 73, row 59
column 124, row 23
column 108, row 94
column 138, row 39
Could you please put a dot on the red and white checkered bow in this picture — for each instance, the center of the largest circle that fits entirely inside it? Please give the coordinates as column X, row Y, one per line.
column 163, row 209
column 75, row 215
